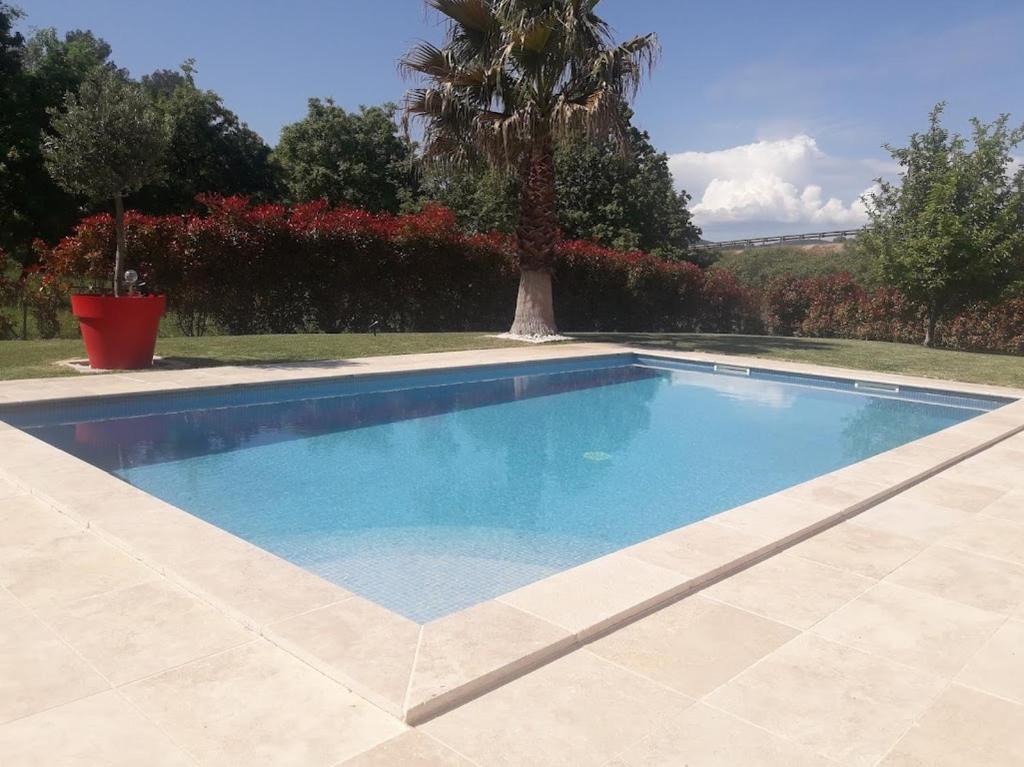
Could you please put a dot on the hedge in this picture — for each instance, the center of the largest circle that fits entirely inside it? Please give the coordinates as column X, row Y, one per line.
column 269, row 268
column 243, row 268
column 835, row 306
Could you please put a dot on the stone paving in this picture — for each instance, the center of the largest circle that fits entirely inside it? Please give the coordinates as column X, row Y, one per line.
column 893, row 638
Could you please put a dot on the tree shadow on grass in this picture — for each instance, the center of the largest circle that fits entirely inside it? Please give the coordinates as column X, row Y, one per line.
column 723, row 344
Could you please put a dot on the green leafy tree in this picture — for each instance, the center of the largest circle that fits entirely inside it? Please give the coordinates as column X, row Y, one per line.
column 36, row 73
column 952, row 230
column 623, row 200
column 359, row 158
column 209, row 148
column 483, row 199
column 512, row 80
column 12, row 97
column 108, row 142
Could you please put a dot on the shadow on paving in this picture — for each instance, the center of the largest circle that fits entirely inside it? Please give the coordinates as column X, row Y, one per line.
column 182, row 362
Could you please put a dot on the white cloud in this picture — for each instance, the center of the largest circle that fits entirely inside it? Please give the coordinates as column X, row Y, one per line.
column 775, row 186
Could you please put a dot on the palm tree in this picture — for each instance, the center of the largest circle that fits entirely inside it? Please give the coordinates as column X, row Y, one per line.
column 513, row 78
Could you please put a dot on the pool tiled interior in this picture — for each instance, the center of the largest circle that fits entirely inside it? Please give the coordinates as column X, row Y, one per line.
column 871, row 618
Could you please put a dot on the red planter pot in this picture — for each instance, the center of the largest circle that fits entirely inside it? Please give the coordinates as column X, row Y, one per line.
column 119, row 333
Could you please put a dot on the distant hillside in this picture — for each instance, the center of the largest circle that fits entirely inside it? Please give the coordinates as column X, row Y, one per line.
column 756, row 266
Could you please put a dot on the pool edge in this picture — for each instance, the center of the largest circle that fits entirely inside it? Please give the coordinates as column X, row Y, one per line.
column 535, row 632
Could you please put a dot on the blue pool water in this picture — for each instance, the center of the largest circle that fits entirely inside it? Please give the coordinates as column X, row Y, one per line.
column 429, row 493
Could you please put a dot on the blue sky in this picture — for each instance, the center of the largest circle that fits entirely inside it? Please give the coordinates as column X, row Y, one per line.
column 773, row 113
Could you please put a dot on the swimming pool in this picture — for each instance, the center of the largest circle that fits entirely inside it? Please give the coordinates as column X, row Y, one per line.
column 430, row 492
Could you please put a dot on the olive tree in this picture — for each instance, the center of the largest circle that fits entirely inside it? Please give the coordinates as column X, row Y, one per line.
column 107, row 142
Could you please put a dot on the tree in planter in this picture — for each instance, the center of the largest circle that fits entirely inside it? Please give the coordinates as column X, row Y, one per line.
column 952, row 231
column 513, row 78
column 108, row 142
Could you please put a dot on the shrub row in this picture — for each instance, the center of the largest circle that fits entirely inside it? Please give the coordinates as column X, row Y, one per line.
column 243, row 268
column 270, row 268
column 835, row 306
column 25, row 294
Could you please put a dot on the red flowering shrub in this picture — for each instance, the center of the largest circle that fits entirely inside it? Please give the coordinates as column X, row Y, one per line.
column 785, row 304
column 987, row 328
column 887, row 315
column 271, row 268
column 834, row 306
column 726, row 306
column 597, row 288
column 246, row 268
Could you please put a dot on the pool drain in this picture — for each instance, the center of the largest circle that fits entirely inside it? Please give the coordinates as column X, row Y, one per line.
column 597, row 456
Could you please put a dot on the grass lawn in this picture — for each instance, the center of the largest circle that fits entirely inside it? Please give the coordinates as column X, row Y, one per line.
column 997, row 369
column 34, row 359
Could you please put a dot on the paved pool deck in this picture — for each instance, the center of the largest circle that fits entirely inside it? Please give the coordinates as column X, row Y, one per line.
column 892, row 635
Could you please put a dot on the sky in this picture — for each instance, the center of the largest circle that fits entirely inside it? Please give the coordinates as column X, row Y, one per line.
column 773, row 114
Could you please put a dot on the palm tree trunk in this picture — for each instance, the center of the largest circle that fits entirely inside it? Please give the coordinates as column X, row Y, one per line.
column 536, row 236
column 120, row 245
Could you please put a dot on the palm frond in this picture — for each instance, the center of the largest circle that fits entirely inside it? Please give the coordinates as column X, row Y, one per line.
column 512, row 73
column 474, row 15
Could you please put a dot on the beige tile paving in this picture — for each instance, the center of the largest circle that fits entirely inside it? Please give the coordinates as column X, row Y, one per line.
column 960, row 494
column 476, row 646
column 364, row 646
column 410, row 749
column 604, row 587
column 838, row 494
column 68, row 568
column 994, row 537
column 986, row 468
column 860, row 550
column 973, row 579
column 697, row 549
column 682, row 645
column 1010, row 507
column 843, row 703
column 256, row 587
column 256, row 704
column 772, row 518
column 37, row 669
column 700, row 736
column 790, row 589
column 917, row 519
column 963, row 729
column 162, row 536
column 579, row 710
column 140, row 630
column 998, row 667
column 99, row 730
column 7, row 490
column 907, row 626
column 45, row 559
column 28, row 523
